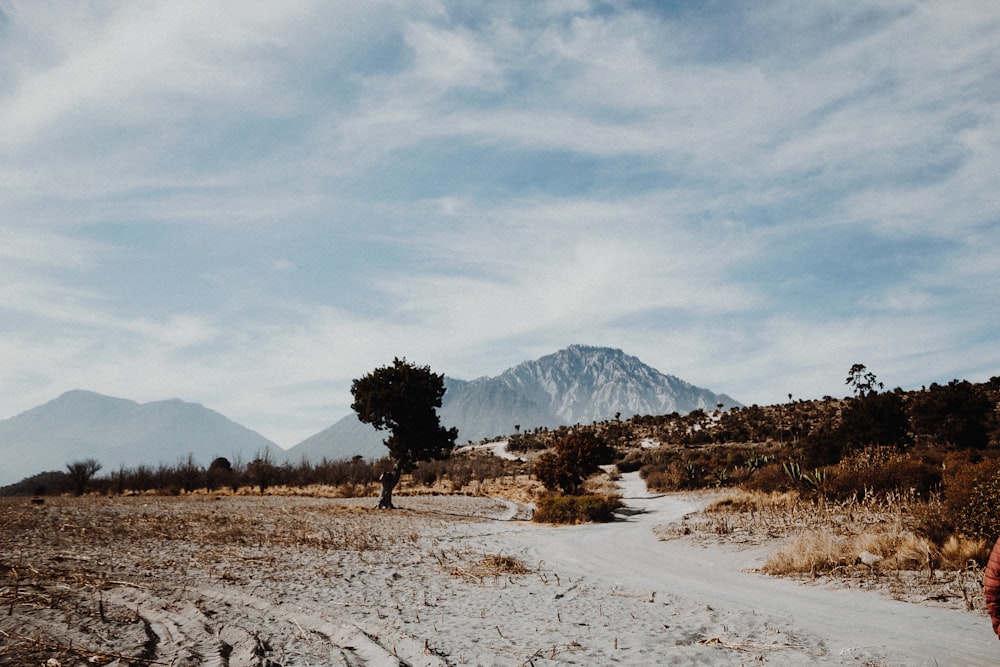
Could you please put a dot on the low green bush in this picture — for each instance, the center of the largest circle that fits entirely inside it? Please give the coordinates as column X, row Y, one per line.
column 577, row 509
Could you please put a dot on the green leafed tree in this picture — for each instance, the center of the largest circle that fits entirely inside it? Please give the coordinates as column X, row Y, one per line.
column 403, row 399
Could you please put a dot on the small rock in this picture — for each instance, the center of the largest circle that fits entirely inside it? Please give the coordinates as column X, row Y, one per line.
column 867, row 558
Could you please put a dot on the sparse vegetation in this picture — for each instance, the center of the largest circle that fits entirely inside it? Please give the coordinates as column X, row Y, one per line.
column 576, row 509
column 490, row 569
column 937, row 448
column 893, row 491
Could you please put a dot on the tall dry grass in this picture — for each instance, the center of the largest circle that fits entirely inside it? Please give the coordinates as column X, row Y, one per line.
column 885, row 549
column 875, row 543
column 880, row 532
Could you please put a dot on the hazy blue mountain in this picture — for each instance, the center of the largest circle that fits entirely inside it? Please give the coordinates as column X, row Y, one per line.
column 577, row 385
column 347, row 438
column 350, row 437
column 116, row 432
column 580, row 384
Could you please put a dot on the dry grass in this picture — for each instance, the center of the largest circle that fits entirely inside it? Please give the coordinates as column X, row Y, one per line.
column 871, row 544
column 886, row 548
column 755, row 501
column 489, row 569
column 78, row 524
column 60, row 559
column 605, row 484
column 958, row 552
column 518, row 488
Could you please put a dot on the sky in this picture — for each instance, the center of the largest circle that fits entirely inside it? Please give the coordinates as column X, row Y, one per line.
column 248, row 205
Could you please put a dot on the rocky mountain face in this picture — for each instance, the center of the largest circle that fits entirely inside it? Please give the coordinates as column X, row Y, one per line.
column 580, row 384
column 116, row 432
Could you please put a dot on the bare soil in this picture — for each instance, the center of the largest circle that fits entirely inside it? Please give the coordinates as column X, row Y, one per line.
column 273, row 581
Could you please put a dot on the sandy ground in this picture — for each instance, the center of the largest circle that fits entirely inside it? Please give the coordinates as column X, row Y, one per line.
column 444, row 581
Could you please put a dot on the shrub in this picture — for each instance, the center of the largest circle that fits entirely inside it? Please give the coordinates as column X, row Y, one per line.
column 220, row 473
column 427, row 472
column 933, row 521
column 632, row 461
column 524, row 442
column 963, row 470
column 556, row 473
column 880, row 470
column 958, row 553
column 663, row 477
column 576, row 455
column 978, row 519
column 770, row 478
column 879, row 419
column 576, row 509
column 822, row 552
column 869, row 419
column 675, row 475
column 959, row 414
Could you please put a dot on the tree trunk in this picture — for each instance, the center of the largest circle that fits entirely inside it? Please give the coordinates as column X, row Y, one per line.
column 388, row 480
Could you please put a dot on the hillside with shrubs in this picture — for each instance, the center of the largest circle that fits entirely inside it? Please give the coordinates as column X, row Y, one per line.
column 934, row 451
column 907, row 479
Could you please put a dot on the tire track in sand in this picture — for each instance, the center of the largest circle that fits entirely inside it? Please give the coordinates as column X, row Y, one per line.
column 219, row 628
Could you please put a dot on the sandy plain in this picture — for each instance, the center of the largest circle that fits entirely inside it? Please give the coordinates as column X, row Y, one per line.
column 445, row 580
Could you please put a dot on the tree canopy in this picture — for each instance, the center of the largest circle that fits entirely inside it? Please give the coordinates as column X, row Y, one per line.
column 80, row 473
column 403, row 398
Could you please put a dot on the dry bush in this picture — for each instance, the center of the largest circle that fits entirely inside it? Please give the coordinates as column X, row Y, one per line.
column 741, row 500
column 575, row 456
column 500, row 564
column 519, row 488
column 490, row 568
column 769, row 478
column 460, row 473
column 633, row 459
column 807, row 553
column 888, row 526
column 604, row 484
column 756, row 517
column 882, row 469
column 969, row 504
column 576, row 509
column 959, row 552
column 886, row 548
column 851, row 538
column 664, row 477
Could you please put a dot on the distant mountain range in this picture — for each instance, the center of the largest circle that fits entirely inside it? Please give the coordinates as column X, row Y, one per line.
column 580, row 384
column 118, row 432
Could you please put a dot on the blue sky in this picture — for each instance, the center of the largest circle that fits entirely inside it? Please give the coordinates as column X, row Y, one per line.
column 247, row 205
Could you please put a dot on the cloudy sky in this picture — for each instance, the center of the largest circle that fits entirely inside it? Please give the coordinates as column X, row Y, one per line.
column 247, row 205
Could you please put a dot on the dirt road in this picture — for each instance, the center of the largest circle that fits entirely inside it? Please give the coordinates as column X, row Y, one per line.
column 843, row 625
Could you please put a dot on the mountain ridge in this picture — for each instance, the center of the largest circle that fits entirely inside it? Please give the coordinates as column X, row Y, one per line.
column 579, row 384
column 81, row 424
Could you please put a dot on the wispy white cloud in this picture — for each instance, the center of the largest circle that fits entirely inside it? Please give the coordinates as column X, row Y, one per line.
column 247, row 206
